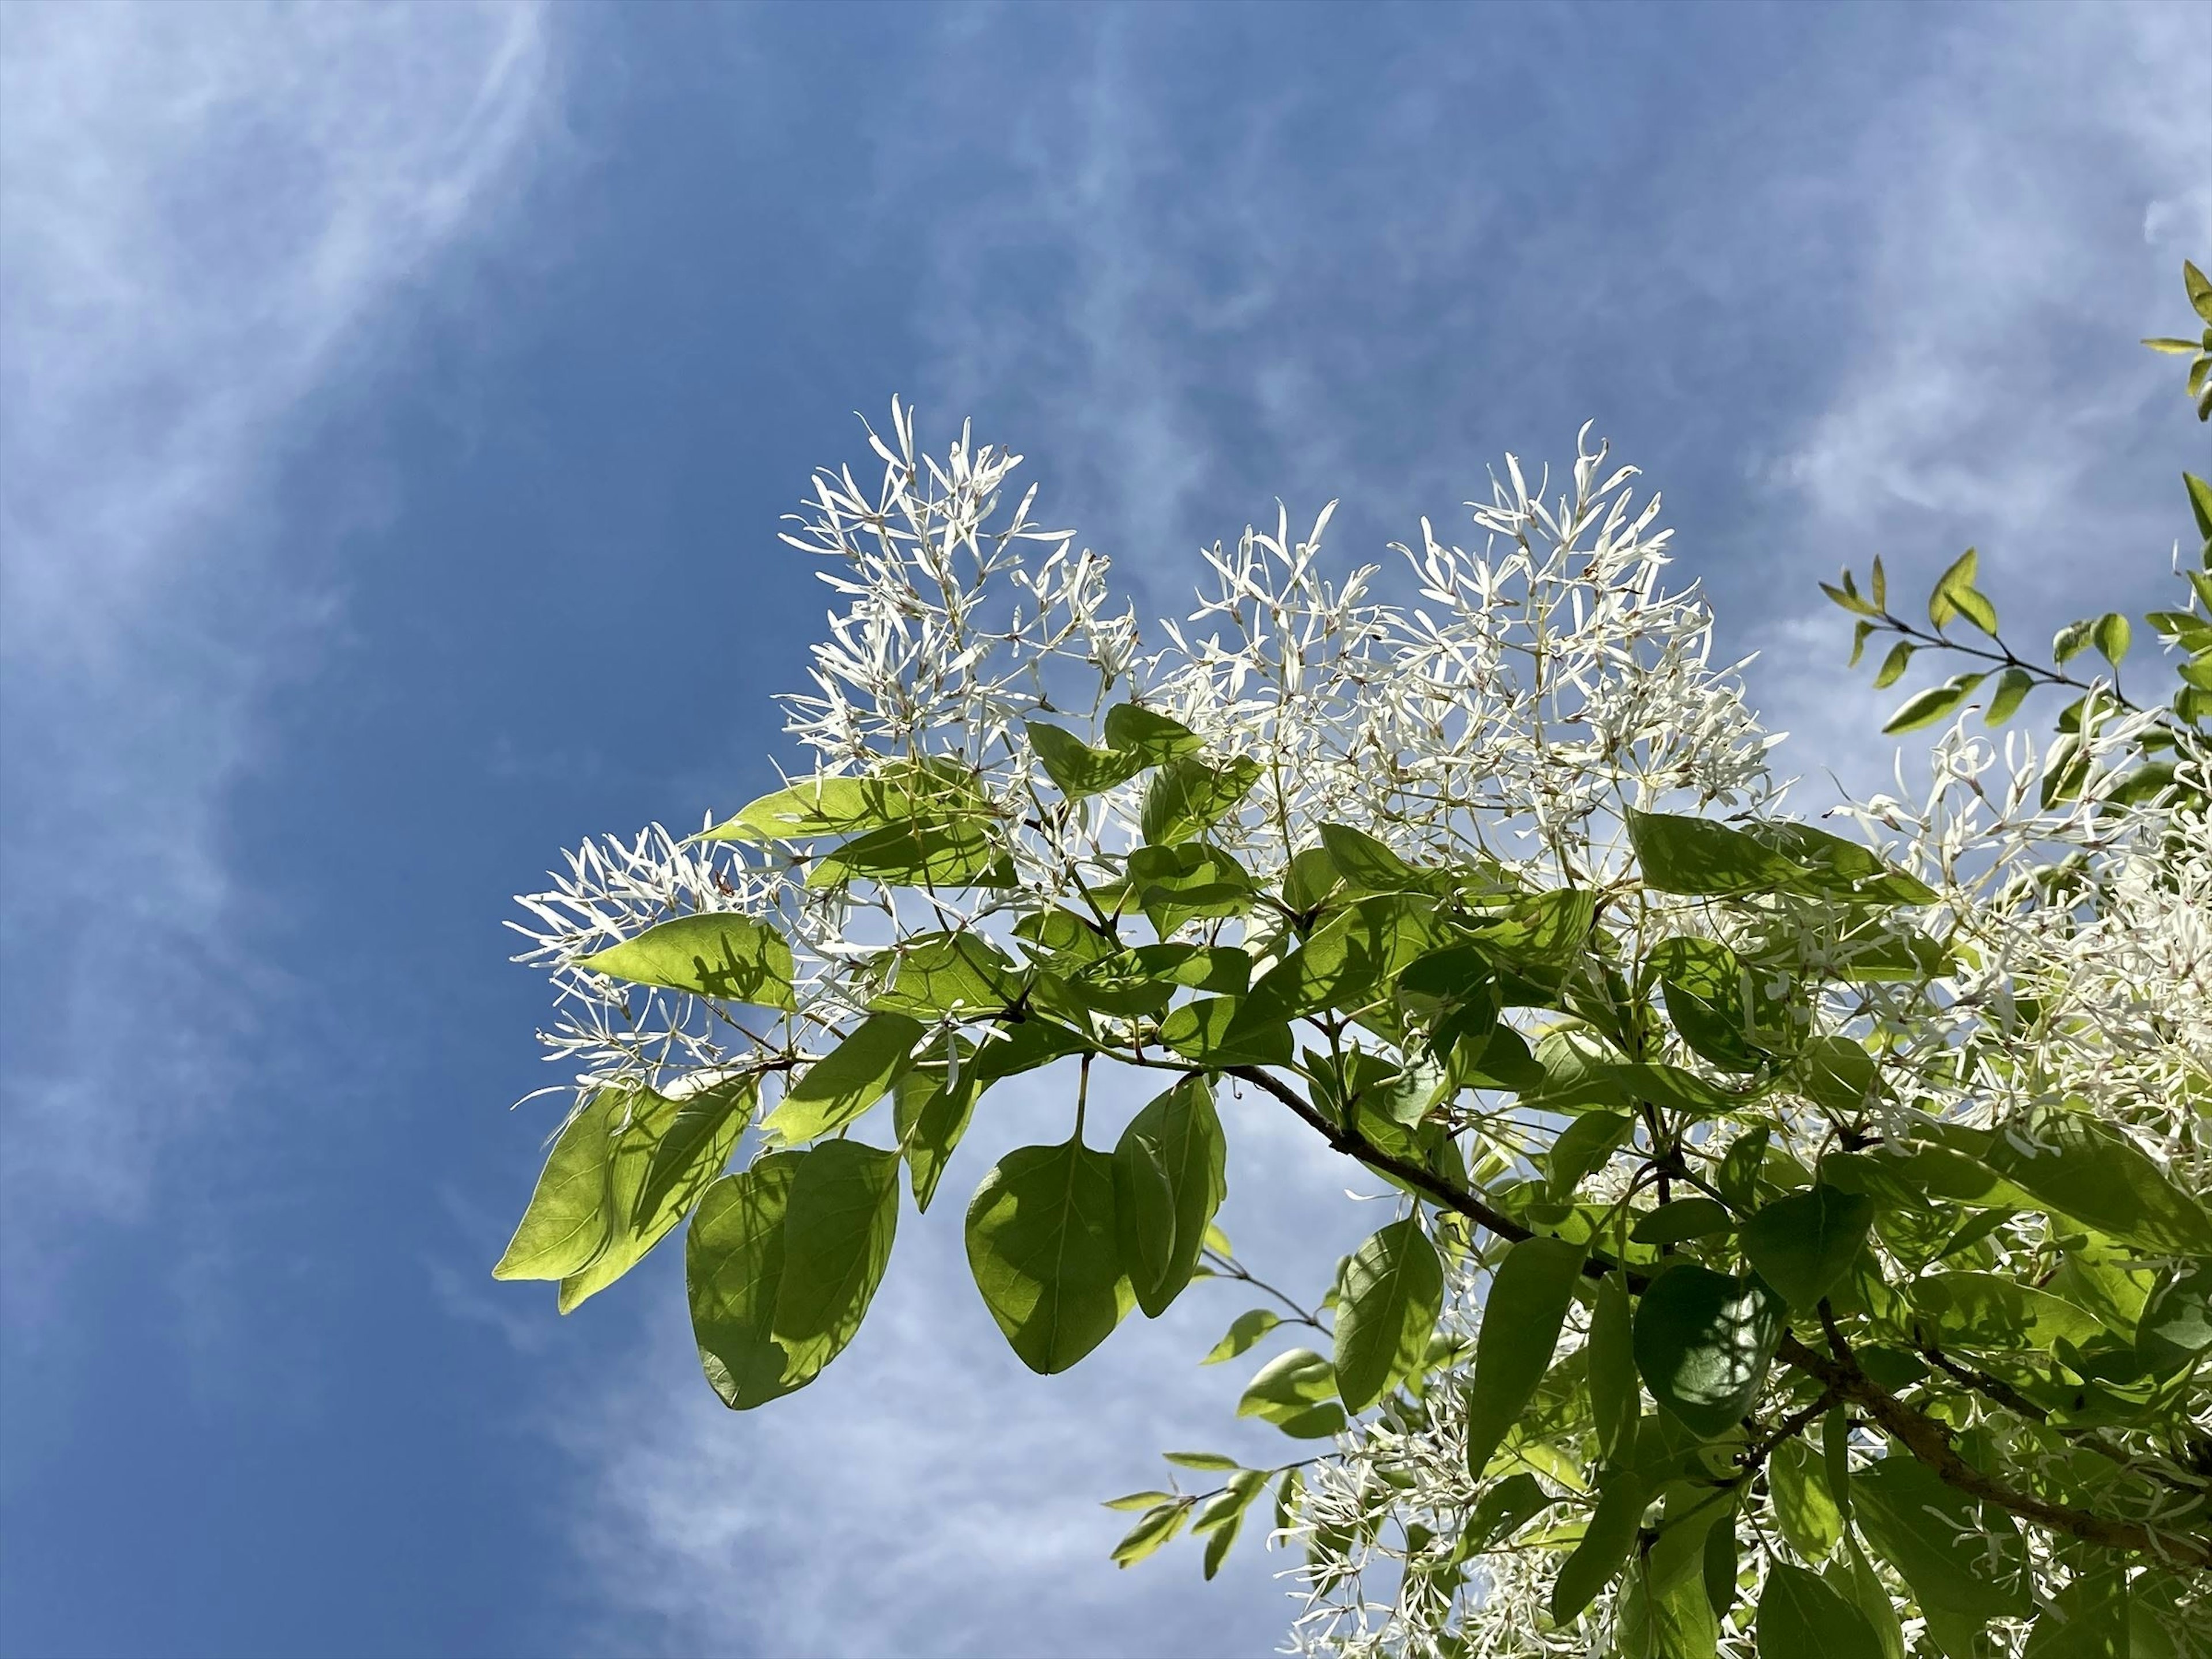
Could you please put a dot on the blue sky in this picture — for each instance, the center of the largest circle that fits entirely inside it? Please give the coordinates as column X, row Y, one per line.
column 396, row 412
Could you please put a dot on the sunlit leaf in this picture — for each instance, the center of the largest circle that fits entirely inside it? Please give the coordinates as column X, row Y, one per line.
column 720, row 954
column 848, row 1079
column 569, row 1219
column 1522, row 1316
column 1042, row 1245
column 1244, row 1333
column 838, row 1224
column 1388, row 1297
column 1188, row 797
column 733, row 1261
column 1296, row 1392
column 1169, row 1178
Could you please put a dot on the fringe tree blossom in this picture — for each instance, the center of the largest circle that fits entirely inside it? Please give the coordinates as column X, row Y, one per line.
column 1648, row 1018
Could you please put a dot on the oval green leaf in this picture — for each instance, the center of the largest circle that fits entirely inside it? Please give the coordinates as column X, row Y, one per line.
column 568, row 1221
column 718, row 955
column 1044, row 1247
column 1520, row 1319
column 848, row 1079
column 1800, row 1618
column 1959, row 1556
column 1803, row 1244
column 841, row 1216
column 1170, row 1175
column 1703, row 1344
column 1388, row 1297
column 733, row 1270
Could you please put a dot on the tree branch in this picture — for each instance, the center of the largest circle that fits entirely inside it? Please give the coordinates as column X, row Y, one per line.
column 1929, row 1442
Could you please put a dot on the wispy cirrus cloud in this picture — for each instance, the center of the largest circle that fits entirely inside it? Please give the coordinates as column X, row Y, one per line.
column 206, row 213
column 1990, row 391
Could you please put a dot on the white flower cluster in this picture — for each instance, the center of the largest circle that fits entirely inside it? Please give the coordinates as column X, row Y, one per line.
column 1531, row 694
column 1545, row 682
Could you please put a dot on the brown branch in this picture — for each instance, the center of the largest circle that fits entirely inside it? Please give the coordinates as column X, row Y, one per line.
column 1929, row 1442
column 1840, row 1376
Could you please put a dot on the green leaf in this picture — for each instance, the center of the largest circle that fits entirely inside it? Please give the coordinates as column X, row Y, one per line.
column 1803, row 1244
column 1836, row 1072
column 1680, row 1218
column 2200, row 294
column 1387, row 1295
column 1803, row 1507
column 1959, row 1556
column 898, row 791
column 1155, row 1528
column 2110, row 634
column 838, row 1224
column 1528, row 1302
column 1926, row 708
column 699, row 1140
column 1584, row 1145
column 1991, row 1311
column 1209, row 1462
column 1622, row 1495
column 1348, row 959
column 1042, row 1245
column 2088, row 1620
column 1139, row 1500
column 1211, row 1032
column 1366, row 863
column 568, row 1221
column 937, row 973
column 1698, row 856
column 635, row 1132
column 1296, row 1392
column 1955, row 595
column 1894, row 664
column 1800, row 1618
column 1243, row 1334
column 1709, row 1000
column 2013, row 685
column 1075, row 768
column 1503, row 1509
column 955, row 853
column 1703, row 1344
column 2200, row 502
column 1616, row 1397
column 2070, row 641
column 1223, row 1517
column 733, row 1261
column 847, row 1080
column 1840, row 868
column 1151, row 736
column 1170, row 1173
column 2170, row 345
column 2083, row 1168
column 931, row 1118
column 720, row 954
column 1188, row 797
column 1720, row 1568
column 2176, row 1323
column 1188, row 882
column 1854, row 1576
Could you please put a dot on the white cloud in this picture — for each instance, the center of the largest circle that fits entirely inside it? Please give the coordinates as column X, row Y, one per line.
column 207, row 211
column 2041, row 182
